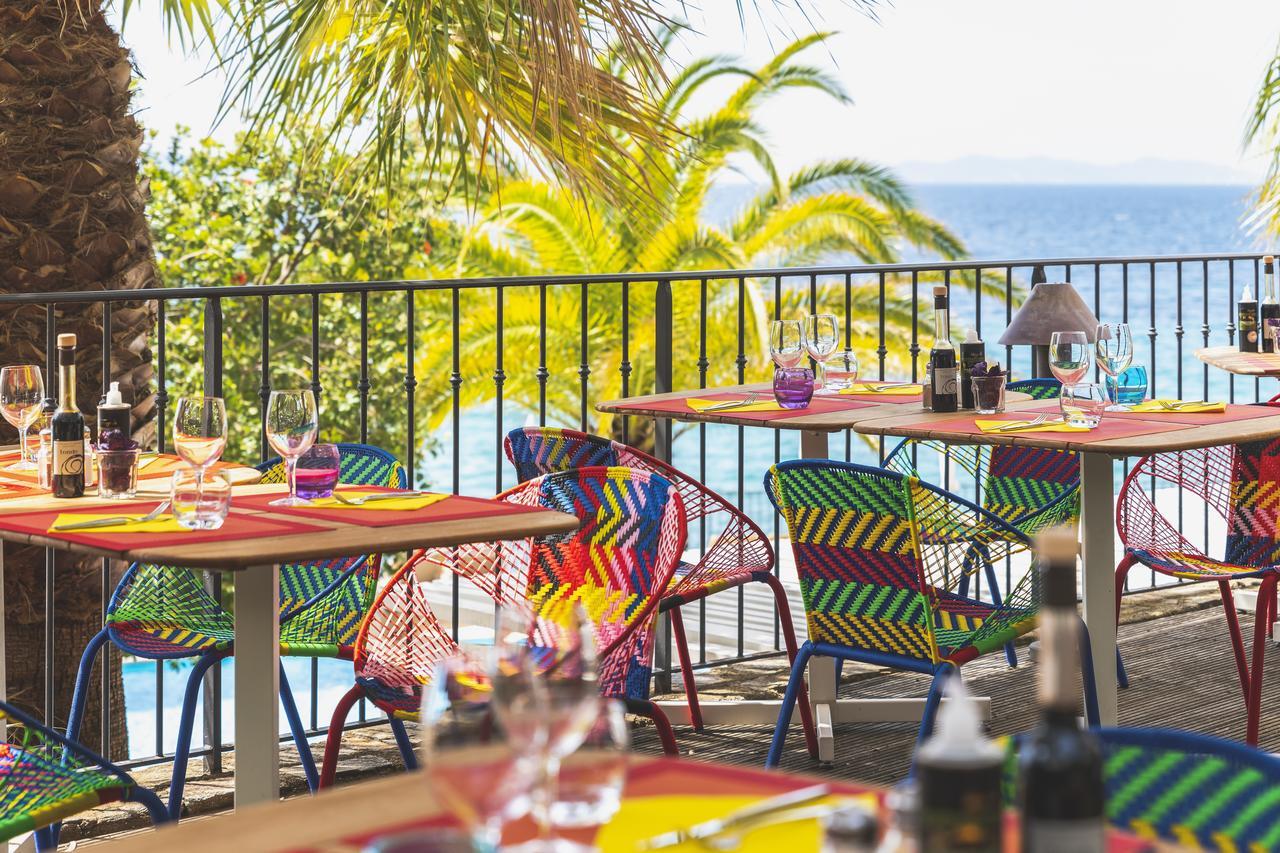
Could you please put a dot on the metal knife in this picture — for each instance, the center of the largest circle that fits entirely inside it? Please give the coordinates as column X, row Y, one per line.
column 782, row 802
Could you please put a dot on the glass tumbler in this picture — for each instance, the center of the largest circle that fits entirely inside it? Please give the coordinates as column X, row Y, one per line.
column 1129, row 387
column 842, row 370
column 793, row 387
column 117, row 473
column 1084, row 404
column 199, row 508
column 317, row 471
column 590, row 789
column 988, row 394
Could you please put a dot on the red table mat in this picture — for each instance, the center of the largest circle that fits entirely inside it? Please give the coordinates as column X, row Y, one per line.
column 819, row 405
column 451, row 508
column 1109, row 428
column 1234, row 412
column 14, row 490
column 237, row 526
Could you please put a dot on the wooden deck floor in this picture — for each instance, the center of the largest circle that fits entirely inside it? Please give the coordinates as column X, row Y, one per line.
column 1181, row 675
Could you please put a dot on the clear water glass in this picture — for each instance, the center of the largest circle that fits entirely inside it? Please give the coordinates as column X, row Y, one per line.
column 841, row 370
column 1114, row 344
column 292, row 424
column 21, row 396
column 822, row 338
column 591, row 783
column 1069, row 356
column 988, row 394
column 317, row 471
column 792, row 387
column 1130, row 387
column 786, row 342
column 200, row 504
column 1083, row 404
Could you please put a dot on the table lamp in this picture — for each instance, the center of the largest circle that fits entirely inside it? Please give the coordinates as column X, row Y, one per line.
column 1050, row 307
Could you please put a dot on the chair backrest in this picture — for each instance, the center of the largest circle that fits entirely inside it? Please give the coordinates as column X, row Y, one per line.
column 1038, row 389
column 1252, row 535
column 1198, row 791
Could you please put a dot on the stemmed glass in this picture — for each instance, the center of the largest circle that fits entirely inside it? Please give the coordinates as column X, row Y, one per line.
column 292, row 425
column 786, row 342
column 822, row 337
column 1069, row 356
column 1114, row 344
column 21, row 395
column 200, row 434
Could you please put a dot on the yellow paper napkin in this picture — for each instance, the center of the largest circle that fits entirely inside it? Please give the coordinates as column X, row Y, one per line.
column 642, row 818
column 415, row 502
column 1052, row 426
column 164, row 524
column 699, row 404
column 877, row 389
column 1157, row 407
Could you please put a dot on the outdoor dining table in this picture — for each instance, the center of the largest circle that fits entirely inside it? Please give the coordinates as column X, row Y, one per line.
column 1120, row 435
column 1230, row 359
column 824, row 415
column 253, row 543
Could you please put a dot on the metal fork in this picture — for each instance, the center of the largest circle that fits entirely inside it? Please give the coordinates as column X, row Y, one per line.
column 380, row 496
column 1181, row 404
column 733, row 404
column 876, row 389
column 112, row 522
column 1014, row 427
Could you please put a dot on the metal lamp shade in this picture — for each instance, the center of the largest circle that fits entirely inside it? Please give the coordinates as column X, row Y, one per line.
column 1051, row 307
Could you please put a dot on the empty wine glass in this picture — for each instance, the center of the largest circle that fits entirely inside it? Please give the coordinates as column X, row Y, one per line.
column 292, row 424
column 1114, row 345
column 200, row 433
column 786, row 342
column 1069, row 356
column 822, row 337
column 21, row 395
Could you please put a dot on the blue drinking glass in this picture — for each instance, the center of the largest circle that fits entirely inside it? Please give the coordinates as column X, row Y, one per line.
column 1129, row 387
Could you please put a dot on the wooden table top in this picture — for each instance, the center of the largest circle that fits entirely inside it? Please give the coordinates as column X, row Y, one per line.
column 919, row 424
column 820, row 422
column 1232, row 360
column 331, row 539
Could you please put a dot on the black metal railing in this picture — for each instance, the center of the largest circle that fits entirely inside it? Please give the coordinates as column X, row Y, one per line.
column 545, row 341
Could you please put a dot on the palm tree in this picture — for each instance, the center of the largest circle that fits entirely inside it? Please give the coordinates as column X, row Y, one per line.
column 831, row 209
column 1263, row 127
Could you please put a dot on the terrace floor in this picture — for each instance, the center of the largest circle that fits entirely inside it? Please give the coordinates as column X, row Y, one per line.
column 1174, row 644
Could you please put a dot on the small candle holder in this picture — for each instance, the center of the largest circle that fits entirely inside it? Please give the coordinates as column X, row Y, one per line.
column 793, row 387
column 988, row 394
column 117, row 473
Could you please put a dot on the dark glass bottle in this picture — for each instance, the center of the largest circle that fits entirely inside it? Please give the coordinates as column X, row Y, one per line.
column 942, row 358
column 1269, row 309
column 972, row 351
column 67, row 426
column 1061, row 795
column 1247, row 321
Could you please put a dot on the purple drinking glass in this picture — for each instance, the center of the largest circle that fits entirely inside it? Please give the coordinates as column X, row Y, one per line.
column 793, row 387
column 317, row 471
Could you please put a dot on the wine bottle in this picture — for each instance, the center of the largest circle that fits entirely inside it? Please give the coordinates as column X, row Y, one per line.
column 945, row 397
column 1247, row 321
column 67, row 426
column 972, row 351
column 1269, row 310
column 1061, row 794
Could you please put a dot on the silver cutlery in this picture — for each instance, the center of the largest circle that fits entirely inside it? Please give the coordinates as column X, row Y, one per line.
column 1015, row 426
column 747, row 815
column 732, row 839
column 733, row 404
column 1181, row 404
column 117, row 520
column 380, row 496
column 889, row 386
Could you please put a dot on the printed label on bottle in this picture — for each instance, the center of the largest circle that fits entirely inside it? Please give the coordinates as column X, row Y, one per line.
column 945, row 380
column 68, row 458
column 1065, row 836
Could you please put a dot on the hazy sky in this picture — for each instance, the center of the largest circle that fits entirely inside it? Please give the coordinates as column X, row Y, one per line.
column 1103, row 81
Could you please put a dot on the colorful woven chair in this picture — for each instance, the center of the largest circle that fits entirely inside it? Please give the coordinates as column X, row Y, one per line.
column 626, row 550
column 1196, row 791
column 1239, row 483
column 166, row 613
column 739, row 553
column 879, row 555
column 45, row 778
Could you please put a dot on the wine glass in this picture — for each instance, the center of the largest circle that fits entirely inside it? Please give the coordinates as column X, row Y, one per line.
column 1114, row 345
column 21, row 396
column 1069, row 356
column 786, row 342
column 200, row 434
column 292, row 424
column 822, row 337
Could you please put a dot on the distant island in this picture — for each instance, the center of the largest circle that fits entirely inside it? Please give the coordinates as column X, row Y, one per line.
column 1047, row 170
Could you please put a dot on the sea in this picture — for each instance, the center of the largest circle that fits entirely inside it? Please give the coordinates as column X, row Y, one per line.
column 997, row 222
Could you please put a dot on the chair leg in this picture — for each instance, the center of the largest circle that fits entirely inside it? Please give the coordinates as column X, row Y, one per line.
column 1090, row 683
column 182, row 750
column 931, row 703
column 1237, row 638
column 1122, row 572
column 1262, row 619
column 789, row 641
column 333, row 742
column 299, row 732
column 407, row 754
column 649, row 710
column 81, row 693
column 45, row 840
column 1010, row 652
column 686, row 667
column 794, row 684
column 155, row 808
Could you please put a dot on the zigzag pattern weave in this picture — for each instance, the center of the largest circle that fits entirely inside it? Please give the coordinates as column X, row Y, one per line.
column 166, row 612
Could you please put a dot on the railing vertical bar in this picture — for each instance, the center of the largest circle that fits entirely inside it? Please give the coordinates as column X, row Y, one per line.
column 455, row 384
column 584, row 366
column 1008, row 316
column 662, row 384
column 316, row 388
column 848, row 344
column 1257, row 294
column 104, row 687
column 741, row 363
column 624, row 366
column 543, row 373
column 363, row 386
column 162, row 405
column 882, row 351
column 264, row 385
column 499, row 379
column 1231, row 324
column 211, row 686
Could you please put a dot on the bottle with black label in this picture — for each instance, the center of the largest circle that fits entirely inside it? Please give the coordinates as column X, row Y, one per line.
column 945, row 396
column 1247, row 321
column 972, row 351
column 1269, row 309
column 1061, row 794
column 67, row 426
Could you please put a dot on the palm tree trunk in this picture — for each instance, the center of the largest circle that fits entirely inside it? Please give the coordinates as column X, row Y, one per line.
column 71, row 218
